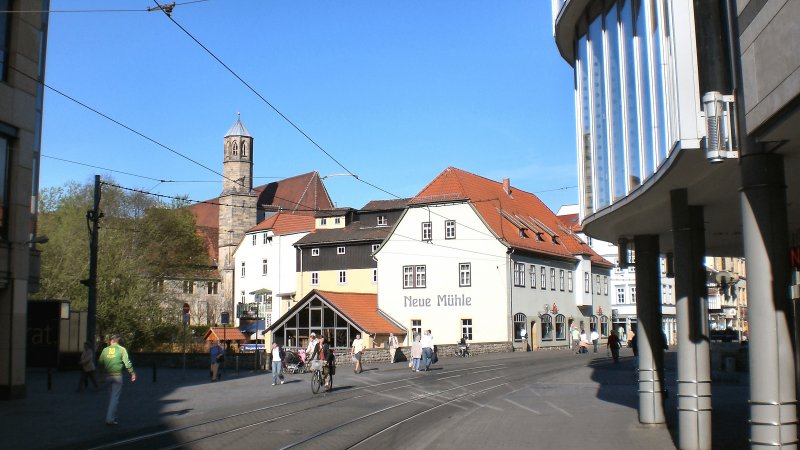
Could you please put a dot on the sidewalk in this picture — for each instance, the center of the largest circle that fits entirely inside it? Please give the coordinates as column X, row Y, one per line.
column 60, row 417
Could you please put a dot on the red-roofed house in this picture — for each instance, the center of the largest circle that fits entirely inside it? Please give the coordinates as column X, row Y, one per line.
column 479, row 258
column 337, row 315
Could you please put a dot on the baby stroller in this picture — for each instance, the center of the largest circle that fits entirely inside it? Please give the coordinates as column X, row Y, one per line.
column 463, row 349
column 295, row 361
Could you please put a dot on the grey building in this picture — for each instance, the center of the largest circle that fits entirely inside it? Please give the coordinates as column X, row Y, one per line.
column 688, row 137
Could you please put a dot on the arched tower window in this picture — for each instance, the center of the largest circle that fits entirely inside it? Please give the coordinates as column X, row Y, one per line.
column 244, row 150
column 235, row 149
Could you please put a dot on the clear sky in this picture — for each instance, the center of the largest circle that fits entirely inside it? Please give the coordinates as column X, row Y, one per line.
column 395, row 91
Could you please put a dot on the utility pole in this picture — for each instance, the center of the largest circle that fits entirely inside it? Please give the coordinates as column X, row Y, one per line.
column 93, row 222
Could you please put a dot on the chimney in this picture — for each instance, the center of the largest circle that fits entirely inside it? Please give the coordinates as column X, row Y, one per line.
column 507, row 186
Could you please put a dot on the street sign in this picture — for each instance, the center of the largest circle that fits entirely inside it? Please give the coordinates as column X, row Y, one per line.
column 224, row 317
column 186, row 308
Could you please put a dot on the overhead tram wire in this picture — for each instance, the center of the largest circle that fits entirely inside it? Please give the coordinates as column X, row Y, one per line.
column 97, row 10
column 105, row 116
column 273, row 107
column 207, row 202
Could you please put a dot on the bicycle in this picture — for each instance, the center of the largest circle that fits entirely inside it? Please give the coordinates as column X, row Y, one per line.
column 318, row 377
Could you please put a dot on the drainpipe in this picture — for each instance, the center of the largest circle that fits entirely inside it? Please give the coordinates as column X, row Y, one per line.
column 510, row 287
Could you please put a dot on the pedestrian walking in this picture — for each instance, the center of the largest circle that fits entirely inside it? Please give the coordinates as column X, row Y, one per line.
column 393, row 344
column 595, row 338
column 583, row 345
column 416, row 353
column 312, row 344
column 87, row 367
column 576, row 338
column 613, row 343
column 358, row 350
column 427, row 349
column 112, row 360
column 216, row 354
column 278, row 355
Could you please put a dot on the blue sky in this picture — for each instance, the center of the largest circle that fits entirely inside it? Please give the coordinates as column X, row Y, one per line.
column 395, row 91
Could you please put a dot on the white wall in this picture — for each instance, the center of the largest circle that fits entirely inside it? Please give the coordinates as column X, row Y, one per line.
column 485, row 301
column 281, row 273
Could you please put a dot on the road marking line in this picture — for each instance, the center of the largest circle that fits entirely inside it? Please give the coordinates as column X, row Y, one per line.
column 559, row 409
column 454, row 376
column 484, row 406
column 534, row 391
column 521, row 406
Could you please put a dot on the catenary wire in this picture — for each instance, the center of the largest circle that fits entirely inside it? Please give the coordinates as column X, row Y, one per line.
column 138, row 133
column 94, row 10
column 273, row 107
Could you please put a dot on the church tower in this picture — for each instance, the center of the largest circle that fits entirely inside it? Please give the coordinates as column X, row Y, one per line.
column 238, row 202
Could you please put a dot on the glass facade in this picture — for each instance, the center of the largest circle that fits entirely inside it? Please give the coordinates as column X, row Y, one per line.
column 624, row 89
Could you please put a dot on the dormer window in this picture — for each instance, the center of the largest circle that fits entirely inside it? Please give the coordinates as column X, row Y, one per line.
column 382, row 222
column 323, row 221
column 314, row 252
column 340, row 250
column 337, row 220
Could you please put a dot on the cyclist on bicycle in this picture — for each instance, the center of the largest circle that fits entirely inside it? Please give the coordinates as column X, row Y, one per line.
column 322, row 352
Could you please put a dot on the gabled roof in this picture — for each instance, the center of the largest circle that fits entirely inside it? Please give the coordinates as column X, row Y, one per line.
column 386, row 205
column 286, row 223
column 508, row 212
column 360, row 309
column 571, row 221
column 302, row 194
column 353, row 232
column 228, row 333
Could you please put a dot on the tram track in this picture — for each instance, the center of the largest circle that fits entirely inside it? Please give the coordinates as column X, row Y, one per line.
column 232, row 423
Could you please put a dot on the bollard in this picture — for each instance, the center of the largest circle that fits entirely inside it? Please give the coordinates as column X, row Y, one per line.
column 49, row 379
column 155, row 376
column 237, row 364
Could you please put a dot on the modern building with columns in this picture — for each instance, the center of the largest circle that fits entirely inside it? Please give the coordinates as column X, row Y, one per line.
column 688, row 137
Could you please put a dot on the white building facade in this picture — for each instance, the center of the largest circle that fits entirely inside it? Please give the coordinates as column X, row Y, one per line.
column 490, row 273
column 265, row 277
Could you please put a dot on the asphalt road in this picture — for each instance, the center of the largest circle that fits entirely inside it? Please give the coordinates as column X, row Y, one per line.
column 536, row 400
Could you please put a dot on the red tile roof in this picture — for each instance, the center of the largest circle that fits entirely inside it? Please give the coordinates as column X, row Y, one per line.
column 229, row 334
column 507, row 212
column 286, row 223
column 361, row 309
column 302, row 193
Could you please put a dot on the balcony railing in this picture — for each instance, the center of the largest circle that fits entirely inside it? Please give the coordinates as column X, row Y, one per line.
column 255, row 311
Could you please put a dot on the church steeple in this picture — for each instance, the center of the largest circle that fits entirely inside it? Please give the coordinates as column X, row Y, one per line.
column 238, row 159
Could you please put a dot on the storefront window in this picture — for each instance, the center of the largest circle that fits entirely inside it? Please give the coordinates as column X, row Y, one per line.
column 519, row 327
column 604, row 326
column 296, row 330
column 561, row 327
column 547, row 327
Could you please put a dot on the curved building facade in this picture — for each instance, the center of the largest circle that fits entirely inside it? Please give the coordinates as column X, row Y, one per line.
column 688, row 141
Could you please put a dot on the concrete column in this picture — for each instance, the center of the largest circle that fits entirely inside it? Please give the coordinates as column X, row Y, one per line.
column 773, row 404
column 648, row 330
column 694, row 367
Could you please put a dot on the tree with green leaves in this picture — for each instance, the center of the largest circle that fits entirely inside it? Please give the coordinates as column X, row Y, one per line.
column 141, row 240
